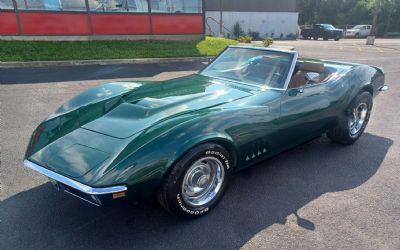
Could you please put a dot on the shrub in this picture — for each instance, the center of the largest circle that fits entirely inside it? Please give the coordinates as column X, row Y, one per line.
column 268, row 41
column 291, row 36
column 237, row 30
column 254, row 34
column 245, row 39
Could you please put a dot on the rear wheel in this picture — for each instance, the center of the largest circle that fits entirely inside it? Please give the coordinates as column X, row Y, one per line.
column 352, row 126
column 337, row 38
column 315, row 38
column 197, row 182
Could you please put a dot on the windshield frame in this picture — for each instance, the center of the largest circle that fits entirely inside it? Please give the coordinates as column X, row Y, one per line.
column 292, row 53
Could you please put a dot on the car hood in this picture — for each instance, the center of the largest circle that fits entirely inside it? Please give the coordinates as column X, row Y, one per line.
column 155, row 102
column 97, row 143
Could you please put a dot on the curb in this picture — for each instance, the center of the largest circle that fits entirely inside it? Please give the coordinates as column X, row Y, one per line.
column 102, row 62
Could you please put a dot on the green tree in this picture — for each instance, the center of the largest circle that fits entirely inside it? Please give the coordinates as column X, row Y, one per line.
column 389, row 17
column 351, row 12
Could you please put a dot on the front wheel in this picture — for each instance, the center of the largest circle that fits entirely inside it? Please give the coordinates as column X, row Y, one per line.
column 352, row 125
column 337, row 38
column 197, row 182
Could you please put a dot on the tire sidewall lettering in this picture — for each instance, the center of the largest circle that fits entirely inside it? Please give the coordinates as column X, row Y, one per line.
column 221, row 156
column 174, row 196
column 190, row 211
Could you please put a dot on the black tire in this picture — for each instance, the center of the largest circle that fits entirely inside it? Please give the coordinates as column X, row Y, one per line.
column 342, row 133
column 315, row 38
column 326, row 39
column 337, row 38
column 170, row 194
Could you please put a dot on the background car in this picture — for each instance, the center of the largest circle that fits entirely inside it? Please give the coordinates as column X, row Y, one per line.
column 358, row 31
column 324, row 31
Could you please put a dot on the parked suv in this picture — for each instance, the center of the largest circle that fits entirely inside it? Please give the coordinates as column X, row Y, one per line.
column 359, row 31
column 324, row 31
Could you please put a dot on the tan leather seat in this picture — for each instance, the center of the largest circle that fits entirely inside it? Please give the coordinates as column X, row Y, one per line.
column 299, row 79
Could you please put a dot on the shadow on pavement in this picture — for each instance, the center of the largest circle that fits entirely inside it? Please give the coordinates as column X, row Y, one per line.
column 256, row 199
column 91, row 72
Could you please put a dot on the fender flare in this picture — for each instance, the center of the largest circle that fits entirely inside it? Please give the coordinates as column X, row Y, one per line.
column 219, row 138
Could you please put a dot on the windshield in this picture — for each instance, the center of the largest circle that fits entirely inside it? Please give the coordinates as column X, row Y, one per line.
column 329, row 27
column 358, row 27
column 264, row 68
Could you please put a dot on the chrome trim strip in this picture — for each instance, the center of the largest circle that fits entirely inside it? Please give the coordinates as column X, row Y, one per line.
column 88, row 201
column 291, row 70
column 383, row 88
column 263, row 48
column 74, row 184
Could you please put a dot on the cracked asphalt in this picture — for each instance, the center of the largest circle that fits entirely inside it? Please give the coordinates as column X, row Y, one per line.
column 316, row 196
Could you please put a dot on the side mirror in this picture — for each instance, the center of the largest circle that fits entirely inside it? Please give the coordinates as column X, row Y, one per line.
column 295, row 92
column 312, row 77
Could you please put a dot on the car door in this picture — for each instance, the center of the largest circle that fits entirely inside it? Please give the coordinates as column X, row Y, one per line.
column 320, row 31
column 305, row 113
column 368, row 30
column 363, row 31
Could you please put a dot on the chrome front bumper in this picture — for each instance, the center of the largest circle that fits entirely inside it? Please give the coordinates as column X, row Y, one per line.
column 77, row 189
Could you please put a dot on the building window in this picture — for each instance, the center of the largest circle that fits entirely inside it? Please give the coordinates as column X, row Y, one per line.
column 55, row 5
column 6, row 5
column 118, row 5
column 176, row 6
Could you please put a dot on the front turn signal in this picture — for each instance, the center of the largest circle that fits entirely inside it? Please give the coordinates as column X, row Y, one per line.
column 119, row 195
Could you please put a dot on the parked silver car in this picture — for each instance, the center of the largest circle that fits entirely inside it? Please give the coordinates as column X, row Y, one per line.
column 359, row 31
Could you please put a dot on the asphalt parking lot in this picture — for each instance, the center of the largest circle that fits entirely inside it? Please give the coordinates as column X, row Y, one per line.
column 316, row 196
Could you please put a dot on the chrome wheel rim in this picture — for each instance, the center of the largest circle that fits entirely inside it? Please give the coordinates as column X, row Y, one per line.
column 203, row 181
column 357, row 118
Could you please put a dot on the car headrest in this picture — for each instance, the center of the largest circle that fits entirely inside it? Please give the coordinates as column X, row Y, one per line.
column 312, row 67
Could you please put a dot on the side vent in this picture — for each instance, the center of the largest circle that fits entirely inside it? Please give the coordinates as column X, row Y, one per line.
column 257, row 150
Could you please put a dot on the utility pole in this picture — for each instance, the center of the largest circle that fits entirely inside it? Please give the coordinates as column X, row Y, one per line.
column 371, row 37
column 221, row 31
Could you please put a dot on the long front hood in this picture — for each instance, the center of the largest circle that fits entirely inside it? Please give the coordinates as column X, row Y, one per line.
column 87, row 135
column 157, row 102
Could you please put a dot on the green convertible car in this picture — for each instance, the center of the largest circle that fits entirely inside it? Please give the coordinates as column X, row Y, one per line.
column 182, row 139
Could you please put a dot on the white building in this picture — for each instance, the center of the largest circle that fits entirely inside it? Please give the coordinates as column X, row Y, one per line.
column 264, row 16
